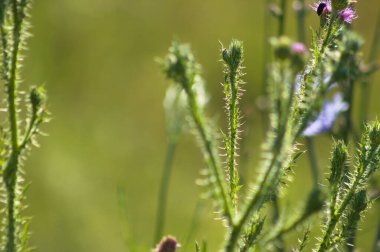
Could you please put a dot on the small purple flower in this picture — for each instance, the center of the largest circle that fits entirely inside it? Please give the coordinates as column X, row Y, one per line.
column 325, row 120
column 299, row 48
column 348, row 15
column 324, row 7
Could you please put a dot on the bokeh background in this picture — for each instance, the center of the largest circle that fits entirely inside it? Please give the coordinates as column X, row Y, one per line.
column 96, row 58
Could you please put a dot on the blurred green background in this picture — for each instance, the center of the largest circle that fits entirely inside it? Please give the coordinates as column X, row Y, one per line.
column 96, row 58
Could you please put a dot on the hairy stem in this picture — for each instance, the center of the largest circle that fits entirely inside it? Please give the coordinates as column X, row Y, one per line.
column 211, row 153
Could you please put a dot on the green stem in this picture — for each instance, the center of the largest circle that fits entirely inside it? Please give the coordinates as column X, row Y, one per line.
column 11, row 85
column 313, row 160
column 236, row 229
column 232, row 139
column 163, row 193
column 211, row 156
column 336, row 216
column 282, row 18
column 301, row 14
column 11, row 169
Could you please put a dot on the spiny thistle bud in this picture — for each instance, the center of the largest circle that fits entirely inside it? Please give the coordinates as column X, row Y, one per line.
column 360, row 201
column 282, row 47
column 37, row 97
column 339, row 4
column 374, row 133
column 233, row 55
column 180, row 65
column 167, row 244
column 338, row 164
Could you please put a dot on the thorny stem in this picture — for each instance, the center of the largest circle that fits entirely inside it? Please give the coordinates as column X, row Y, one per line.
column 335, row 216
column 236, row 229
column 163, row 193
column 10, row 75
column 279, row 150
column 334, row 220
column 201, row 128
column 11, row 169
column 233, row 131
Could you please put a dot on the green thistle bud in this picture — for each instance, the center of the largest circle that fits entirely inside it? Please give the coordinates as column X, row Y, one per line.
column 374, row 134
column 37, row 97
column 282, row 47
column 233, row 56
column 338, row 160
column 339, row 4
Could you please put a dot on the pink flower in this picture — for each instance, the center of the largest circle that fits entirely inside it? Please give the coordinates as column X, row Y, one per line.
column 348, row 15
column 299, row 48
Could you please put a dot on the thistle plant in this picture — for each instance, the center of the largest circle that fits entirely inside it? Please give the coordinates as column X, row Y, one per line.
column 308, row 90
column 18, row 135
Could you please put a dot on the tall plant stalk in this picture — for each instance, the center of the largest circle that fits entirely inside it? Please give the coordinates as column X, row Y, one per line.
column 13, row 14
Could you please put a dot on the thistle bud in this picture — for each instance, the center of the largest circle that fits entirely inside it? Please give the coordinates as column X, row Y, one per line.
column 339, row 4
column 338, row 161
column 374, row 133
column 36, row 97
column 167, row 244
column 282, row 47
column 233, row 55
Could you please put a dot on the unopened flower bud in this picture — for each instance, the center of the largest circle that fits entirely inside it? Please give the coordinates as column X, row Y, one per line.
column 167, row 244
column 282, row 47
column 374, row 134
column 36, row 96
column 233, row 55
column 339, row 4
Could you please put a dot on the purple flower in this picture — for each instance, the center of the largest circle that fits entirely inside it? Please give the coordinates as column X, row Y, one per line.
column 325, row 120
column 324, row 7
column 299, row 48
column 348, row 15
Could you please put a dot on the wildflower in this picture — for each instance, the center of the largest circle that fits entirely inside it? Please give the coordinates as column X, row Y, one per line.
column 324, row 7
column 299, row 48
column 325, row 120
column 299, row 55
column 348, row 15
